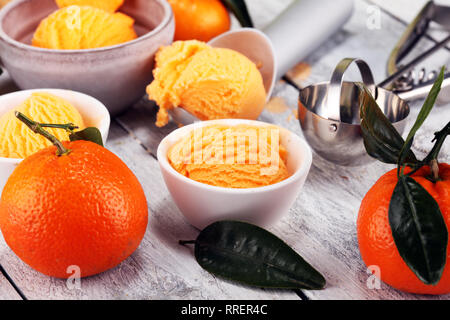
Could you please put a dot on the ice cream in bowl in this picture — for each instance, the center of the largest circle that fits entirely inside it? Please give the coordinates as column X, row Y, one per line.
column 49, row 106
column 233, row 169
column 104, row 48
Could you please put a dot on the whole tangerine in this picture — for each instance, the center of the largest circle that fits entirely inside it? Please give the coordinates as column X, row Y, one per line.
column 199, row 19
column 84, row 209
column 375, row 239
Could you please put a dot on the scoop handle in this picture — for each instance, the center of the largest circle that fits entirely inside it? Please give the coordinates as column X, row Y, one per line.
column 333, row 103
column 303, row 27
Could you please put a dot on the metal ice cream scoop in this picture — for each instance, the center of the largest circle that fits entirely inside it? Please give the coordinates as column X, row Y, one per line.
column 295, row 33
column 330, row 119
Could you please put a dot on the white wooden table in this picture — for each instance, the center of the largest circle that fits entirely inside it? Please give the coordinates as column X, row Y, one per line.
column 321, row 225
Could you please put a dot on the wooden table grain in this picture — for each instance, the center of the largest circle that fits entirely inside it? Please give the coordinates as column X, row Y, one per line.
column 320, row 226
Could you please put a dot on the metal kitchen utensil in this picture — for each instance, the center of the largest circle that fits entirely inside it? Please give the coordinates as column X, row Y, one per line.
column 330, row 119
column 411, row 84
column 295, row 33
column 403, row 81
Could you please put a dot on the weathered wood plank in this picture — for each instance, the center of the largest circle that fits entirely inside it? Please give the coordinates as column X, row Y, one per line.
column 7, row 291
column 159, row 269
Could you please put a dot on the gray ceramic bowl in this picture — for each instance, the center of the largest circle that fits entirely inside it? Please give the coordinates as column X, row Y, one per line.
column 115, row 75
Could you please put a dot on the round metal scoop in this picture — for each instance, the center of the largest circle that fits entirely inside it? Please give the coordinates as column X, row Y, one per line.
column 295, row 33
column 330, row 119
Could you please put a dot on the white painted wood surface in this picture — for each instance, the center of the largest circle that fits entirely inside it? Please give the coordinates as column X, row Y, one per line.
column 405, row 10
column 320, row 226
column 7, row 292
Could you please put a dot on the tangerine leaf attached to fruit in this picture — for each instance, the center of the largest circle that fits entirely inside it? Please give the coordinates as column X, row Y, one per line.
column 418, row 229
column 89, row 134
column 381, row 139
column 423, row 114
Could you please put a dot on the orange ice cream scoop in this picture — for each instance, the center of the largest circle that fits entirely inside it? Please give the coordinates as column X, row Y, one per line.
column 211, row 83
column 83, row 27
column 231, row 156
column 107, row 5
column 18, row 141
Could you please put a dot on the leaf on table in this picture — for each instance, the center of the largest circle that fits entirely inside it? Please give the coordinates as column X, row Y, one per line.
column 240, row 11
column 381, row 140
column 89, row 134
column 418, row 229
column 251, row 255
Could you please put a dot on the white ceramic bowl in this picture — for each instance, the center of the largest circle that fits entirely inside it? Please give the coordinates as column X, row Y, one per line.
column 203, row 204
column 94, row 114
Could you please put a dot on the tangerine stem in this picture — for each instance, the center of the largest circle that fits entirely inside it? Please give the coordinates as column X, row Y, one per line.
column 70, row 127
column 37, row 128
column 434, row 166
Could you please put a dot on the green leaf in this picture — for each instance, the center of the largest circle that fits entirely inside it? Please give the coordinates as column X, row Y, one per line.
column 423, row 114
column 381, row 139
column 89, row 134
column 251, row 255
column 239, row 9
column 418, row 229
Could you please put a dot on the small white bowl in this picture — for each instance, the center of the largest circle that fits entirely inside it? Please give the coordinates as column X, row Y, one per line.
column 203, row 204
column 94, row 114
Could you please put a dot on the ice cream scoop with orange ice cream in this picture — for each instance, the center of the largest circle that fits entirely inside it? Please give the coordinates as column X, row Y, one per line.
column 240, row 156
column 107, row 5
column 211, row 83
column 83, row 27
column 18, row 141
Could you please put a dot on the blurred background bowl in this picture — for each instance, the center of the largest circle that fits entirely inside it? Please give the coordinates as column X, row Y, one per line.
column 94, row 114
column 116, row 75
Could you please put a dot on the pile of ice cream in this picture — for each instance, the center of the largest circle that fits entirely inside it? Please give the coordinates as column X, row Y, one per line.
column 211, row 83
column 18, row 141
column 240, row 156
column 84, row 24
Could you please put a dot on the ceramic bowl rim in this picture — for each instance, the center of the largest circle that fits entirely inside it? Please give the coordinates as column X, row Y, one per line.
column 97, row 102
column 303, row 169
column 168, row 17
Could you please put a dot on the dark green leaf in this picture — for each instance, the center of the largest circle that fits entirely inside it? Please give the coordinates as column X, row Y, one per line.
column 381, row 139
column 423, row 114
column 418, row 229
column 89, row 134
column 251, row 255
column 239, row 9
